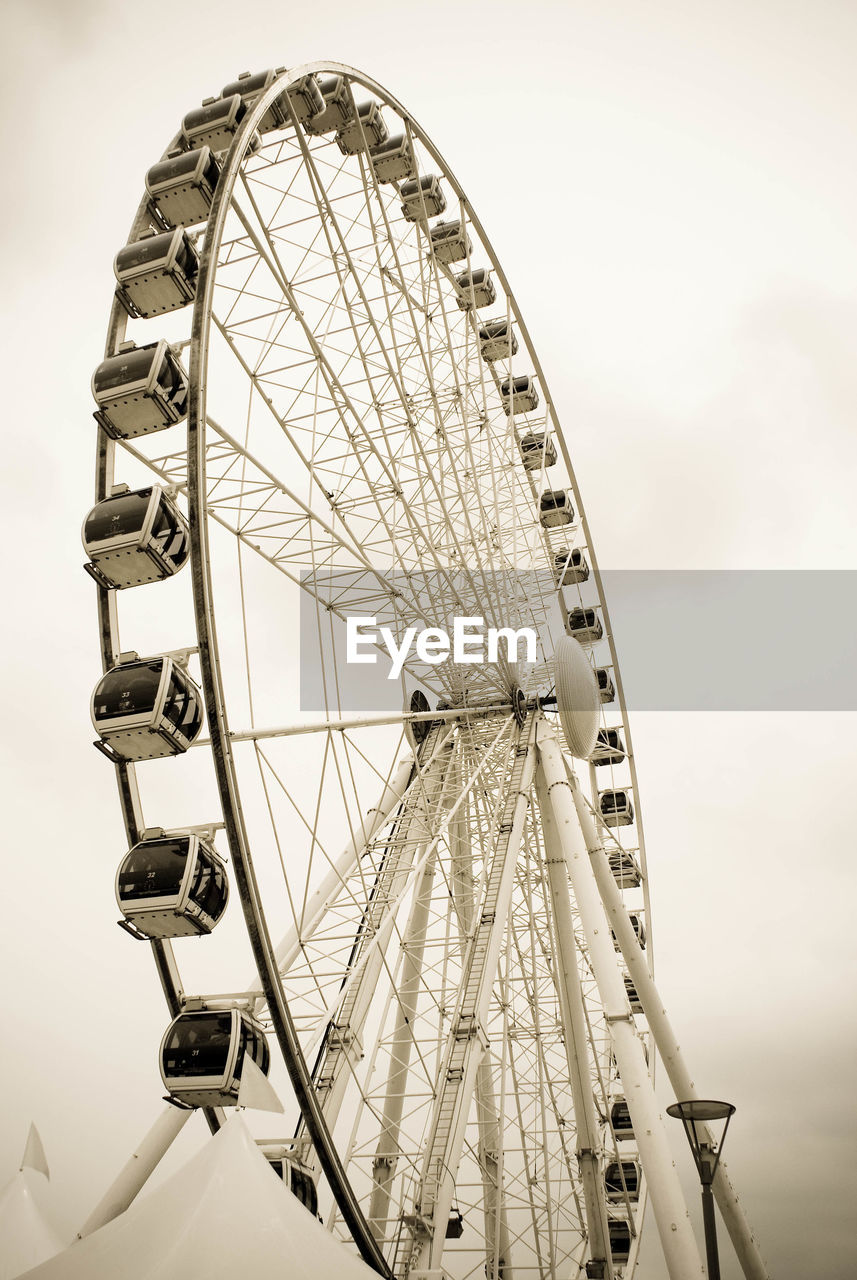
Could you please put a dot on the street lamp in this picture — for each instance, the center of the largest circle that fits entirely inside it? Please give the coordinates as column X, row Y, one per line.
column 706, row 1156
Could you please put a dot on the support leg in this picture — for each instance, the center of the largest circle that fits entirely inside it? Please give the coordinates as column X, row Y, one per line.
column 466, row 1043
column 736, row 1223
column 386, row 1155
column 671, row 1215
column 134, row 1175
column 574, row 1024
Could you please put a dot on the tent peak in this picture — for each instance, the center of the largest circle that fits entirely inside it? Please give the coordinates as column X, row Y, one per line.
column 34, row 1154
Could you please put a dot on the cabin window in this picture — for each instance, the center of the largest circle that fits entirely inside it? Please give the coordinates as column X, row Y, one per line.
column 127, row 367
column 116, row 516
column 176, row 705
column 254, row 1043
column 248, row 84
column 126, row 690
column 168, row 532
column 153, row 871
column 198, row 1045
column 207, row 888
column 304, row 1189
column 145, row 252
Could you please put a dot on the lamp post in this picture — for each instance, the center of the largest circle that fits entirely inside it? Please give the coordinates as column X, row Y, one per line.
column 706, row 1156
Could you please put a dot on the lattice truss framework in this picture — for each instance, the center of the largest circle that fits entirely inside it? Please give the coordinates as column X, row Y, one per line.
column 375, row 988
column 357, row 439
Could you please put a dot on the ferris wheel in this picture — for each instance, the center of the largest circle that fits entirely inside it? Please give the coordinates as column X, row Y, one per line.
column 319, row 395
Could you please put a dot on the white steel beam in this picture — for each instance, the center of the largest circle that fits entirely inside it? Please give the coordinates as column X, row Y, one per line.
column 588, row 1132
column 734, row 1218
column 467, row 1043
column 133, row 1175
column 498, row 1248
column 362, row 722
column 673, row 1220
column 418, row 825
column 386, row 1154
column 498, row 1259
column 378, row 941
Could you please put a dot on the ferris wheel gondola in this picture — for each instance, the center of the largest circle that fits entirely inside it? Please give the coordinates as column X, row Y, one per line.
column 172, row 886
column 450, row 1011
column 203, row 1054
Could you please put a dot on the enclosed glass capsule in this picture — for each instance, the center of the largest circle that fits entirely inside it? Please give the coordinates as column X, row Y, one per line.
column 615, row 808
column 337, row 110
column 297, row 1177
column 622, row 1180
column 626, row 873
column 454, row 1225
column 620, row 1120
column 555, row 508
column 366, row 130
column 304, row 99
column 182, row 187
column 393, row 160
column 609, row 747
column 570, row 566
column 214, row 124
column 249, row 87
column 631, row 993
column 638, row 927
column 497, row 340
column 519, row 394
column 135, row 537
column 172, row 887
column 619, row 1236
column 146, row 708
column 202, row 1056
column 157, row 273
column 537, row 451
column 449, row 242
column 422, row 197
column 606, row 687
column 474, row 289
column 584, row 624
column 417, row 731
column 140, row 389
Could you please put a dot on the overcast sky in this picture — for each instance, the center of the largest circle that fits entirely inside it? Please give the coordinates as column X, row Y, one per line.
column 671, row 190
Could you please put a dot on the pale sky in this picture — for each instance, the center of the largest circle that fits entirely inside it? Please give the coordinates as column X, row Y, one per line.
column 671, row 190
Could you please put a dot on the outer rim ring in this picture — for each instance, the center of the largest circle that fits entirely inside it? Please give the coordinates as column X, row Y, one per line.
column 221, row 749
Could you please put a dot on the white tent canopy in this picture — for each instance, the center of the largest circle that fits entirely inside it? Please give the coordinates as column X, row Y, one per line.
column 225, row 1213
column 27, row 1234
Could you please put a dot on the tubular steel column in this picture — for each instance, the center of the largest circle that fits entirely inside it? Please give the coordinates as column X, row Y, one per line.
column 387, row 1152
column 467, row 1042
column 740, row 1232
column 498, row 1245
column 574, row 1024
column 673, row 1221
column 135, row 1173
column 498, row 1257
column 417, row 825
